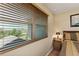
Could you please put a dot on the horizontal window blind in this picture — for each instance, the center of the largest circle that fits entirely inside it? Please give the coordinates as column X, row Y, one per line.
column 20, row 23
column 15, row 12
column 15, row 28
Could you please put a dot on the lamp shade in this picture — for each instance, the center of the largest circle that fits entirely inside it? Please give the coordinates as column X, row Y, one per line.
column 55, row 36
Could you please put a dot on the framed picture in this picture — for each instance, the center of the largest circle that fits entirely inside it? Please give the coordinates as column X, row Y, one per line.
column 74, row 20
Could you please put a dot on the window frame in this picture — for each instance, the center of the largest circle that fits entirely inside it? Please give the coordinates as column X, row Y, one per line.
column 32, row 34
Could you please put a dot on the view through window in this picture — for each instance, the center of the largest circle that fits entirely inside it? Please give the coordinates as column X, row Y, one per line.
column 13, row 33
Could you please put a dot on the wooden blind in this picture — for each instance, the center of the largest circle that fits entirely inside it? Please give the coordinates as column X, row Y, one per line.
column 34, row 23
column 15, row 12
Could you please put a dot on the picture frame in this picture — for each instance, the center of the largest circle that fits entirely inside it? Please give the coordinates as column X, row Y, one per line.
column 74, row 20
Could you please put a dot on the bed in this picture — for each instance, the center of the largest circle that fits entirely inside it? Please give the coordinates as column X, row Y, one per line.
column 71, row 43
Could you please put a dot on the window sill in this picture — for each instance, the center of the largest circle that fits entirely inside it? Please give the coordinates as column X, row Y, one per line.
column 18, row 46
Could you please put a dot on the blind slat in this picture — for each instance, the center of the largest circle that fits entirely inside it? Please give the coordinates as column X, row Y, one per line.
column 11, row 11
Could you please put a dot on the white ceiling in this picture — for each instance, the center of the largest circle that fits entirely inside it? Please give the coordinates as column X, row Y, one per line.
column 57, row 8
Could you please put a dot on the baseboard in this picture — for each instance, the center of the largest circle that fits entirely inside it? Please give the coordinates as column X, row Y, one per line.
column 48, row 52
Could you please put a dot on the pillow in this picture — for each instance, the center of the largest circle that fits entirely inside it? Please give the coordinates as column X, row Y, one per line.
column 77, row 34
column 73, row 36
column 67, row 36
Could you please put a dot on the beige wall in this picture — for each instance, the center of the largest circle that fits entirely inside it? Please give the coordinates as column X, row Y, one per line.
column 40, row 47
column 62, row 21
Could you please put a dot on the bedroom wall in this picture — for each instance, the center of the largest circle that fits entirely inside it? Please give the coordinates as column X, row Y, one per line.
column 40, row 47
column 62, row 21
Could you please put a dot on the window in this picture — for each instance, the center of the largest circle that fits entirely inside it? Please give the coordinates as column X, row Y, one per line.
column 12, row 34
column 40, row 31
column 20, row 23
